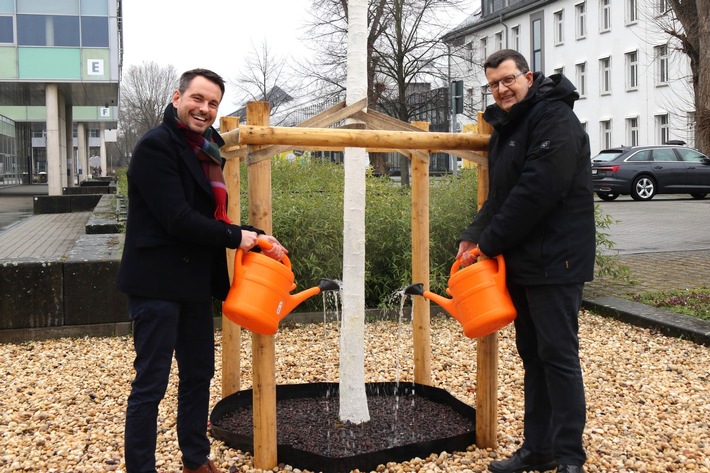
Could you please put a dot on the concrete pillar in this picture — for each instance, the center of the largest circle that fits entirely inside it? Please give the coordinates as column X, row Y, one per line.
column 82, row 142
column 102, row 150
column 69, row 139
column 54, row 157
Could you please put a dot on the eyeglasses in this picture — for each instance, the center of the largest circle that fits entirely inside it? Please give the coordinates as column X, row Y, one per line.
column 506, row 81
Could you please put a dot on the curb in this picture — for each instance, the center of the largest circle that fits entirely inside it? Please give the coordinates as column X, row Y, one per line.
column 667, row 322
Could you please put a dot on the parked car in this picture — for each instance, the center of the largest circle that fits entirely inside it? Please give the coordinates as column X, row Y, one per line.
column 644, row 171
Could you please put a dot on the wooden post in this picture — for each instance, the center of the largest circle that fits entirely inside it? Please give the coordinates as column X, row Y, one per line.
column 231, row 332
column 421, row 314
column 487, row 354
column 263, row 346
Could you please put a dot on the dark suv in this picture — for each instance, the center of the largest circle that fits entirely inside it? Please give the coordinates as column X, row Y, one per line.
column 644, row 171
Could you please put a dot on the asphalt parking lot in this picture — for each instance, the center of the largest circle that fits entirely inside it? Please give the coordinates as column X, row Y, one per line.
column 664, row 242
column 664, row 224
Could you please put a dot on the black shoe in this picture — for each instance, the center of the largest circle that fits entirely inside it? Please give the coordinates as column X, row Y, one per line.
column 570, row 469
column 524, row 460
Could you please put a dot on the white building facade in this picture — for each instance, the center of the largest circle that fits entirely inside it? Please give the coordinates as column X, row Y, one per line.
column 635, row 86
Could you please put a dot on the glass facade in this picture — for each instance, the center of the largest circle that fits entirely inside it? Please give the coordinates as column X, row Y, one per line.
column 7, row 32
column 10, row 172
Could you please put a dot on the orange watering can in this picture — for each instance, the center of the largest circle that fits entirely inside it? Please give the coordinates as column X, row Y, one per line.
column 260, row 294
column 480, row 299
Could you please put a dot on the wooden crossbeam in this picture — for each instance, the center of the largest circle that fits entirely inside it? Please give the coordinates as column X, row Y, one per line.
column 260, row 135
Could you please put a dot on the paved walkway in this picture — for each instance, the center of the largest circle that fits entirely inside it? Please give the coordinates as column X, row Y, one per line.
column 24, row 235
column 43, row 236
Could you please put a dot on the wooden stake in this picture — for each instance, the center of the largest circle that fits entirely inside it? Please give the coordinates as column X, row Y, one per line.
column 487, row 353
column 263, row 346
column 231, row 332
column 421, row 308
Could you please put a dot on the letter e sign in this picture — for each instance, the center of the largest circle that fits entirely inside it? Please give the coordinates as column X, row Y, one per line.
column 95, row 67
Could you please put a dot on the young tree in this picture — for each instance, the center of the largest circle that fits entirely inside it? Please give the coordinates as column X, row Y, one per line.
column 693, row 33
column 146, row 90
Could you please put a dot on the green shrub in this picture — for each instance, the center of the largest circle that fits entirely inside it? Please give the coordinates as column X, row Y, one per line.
column 307, row 202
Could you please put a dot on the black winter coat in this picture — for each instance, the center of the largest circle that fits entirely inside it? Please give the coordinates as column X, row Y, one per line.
column 174, row 247
column 540, row 208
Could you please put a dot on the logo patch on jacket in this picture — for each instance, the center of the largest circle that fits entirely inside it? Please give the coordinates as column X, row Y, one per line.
column 511, row 143
column 545, row 144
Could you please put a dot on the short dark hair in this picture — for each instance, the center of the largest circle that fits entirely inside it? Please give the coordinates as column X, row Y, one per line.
column 495, row 59
column 187, row 77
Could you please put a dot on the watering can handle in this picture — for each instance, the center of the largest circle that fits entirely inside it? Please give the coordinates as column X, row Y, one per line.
column 265, row 244
column 457, row 264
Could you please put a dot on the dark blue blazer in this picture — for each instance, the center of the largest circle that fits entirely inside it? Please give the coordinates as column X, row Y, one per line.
column 174, row 248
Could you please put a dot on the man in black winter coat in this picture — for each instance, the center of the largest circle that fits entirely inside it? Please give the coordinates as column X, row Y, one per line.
column 539, row 214
column 173, row 264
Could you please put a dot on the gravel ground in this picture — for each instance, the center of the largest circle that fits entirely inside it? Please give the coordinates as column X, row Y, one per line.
column 62, row 402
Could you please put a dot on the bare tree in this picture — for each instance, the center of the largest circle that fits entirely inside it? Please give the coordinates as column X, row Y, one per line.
column 264, row 77
column 146, row 90
column 690, row 26
column 404, row 51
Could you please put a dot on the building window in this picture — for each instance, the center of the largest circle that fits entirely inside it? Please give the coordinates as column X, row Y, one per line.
column 537, row 40
column 581, row 77
column 499, row 41
column 605, row 75
column 468, row 56
column 632, row 14
column 7, row 32
column 484, row 48
column 584, row 125
column 94, row 32
column 663, row 128
column 580, row 15
column 632, row 131
column 515, row 38
column 485, row 94
column 559, row 22
column 490, row 6
column 691, row 129
column 605, row 134
column 58, row 30
column 605, row 16
column 559, row 70
column 662, row 6
column 48, row 30
column 632, row 70
column 662, row 59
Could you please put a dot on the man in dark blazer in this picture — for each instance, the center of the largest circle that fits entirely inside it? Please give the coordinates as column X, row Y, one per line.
column 173, row 264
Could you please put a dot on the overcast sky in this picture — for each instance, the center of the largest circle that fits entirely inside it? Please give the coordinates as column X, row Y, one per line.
column 215, row 34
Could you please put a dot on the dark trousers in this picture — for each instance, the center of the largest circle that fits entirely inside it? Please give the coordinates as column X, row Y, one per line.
column 161, row 328
column 546, row 333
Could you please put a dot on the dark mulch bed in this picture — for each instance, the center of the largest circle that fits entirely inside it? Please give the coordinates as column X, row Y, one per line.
column 312, row 424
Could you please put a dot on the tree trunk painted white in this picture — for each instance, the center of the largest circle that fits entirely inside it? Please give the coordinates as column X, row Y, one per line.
column 353, row 399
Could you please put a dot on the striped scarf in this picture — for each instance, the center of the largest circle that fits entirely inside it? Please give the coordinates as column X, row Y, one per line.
column 207, row 153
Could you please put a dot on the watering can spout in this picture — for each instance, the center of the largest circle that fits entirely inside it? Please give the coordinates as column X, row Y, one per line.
column 295, row 299
column 328, row 285
column 418, row 290
column 414, row 289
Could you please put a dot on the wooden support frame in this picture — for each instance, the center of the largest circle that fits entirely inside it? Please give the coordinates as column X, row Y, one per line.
column 257, row 142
